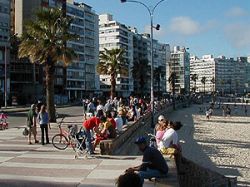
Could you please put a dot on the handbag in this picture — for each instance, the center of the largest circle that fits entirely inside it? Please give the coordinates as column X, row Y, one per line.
column 25, row 131
column 169, row 151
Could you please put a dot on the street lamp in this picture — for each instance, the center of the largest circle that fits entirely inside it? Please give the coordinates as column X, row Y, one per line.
column 157, row 27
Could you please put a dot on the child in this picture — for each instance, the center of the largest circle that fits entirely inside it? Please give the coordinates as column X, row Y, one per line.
column 160, row 130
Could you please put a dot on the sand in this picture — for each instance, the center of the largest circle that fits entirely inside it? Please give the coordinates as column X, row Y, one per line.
column 220, row 143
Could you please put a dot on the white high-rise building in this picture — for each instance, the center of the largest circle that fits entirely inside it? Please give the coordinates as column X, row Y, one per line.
column 228, row 74
column 204, row 67
column 113, row 34
column 82, row 80
column 180, row 65
column 142, row 54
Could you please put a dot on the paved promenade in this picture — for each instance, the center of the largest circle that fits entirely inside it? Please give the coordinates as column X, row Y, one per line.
column 36, row 165
column 221, row 143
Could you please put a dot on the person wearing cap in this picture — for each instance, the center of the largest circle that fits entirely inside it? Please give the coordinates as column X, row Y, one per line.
column 153, row 163
column 31, row 123
column 88, row 125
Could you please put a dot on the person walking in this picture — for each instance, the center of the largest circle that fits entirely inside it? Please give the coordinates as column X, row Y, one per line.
column 31, row 123
column 43, row 119
column 153, row 163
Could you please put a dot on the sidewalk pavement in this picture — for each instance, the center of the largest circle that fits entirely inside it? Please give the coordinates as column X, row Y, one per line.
column 37, row 165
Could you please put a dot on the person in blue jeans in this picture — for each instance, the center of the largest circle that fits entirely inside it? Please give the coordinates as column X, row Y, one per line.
column 43, row 119
column 153, row 163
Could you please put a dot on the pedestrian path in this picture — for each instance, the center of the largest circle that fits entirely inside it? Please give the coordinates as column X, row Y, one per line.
column 44, row 165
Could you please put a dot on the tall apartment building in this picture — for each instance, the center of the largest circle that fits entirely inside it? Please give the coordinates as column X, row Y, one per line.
column 161, row 54
column 229, row 74
column 82, row 80
column 113, row 34
column 79, row 79
column 4, row 48
column 180, row 65
column 141, row 50
column 204, row 67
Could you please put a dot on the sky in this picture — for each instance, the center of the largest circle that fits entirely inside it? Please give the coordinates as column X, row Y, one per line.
column 217, row 27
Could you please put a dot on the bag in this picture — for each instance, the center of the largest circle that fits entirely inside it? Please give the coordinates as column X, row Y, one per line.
column 169, row 151
column 25, row 131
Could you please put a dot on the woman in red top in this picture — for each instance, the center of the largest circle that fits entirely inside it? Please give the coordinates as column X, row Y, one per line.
column 111, row 119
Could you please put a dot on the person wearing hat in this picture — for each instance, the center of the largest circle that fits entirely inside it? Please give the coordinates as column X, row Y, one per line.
column 153, row 163
column 31, row 123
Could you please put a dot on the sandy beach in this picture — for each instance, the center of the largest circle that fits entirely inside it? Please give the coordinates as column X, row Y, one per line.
column 221, row 143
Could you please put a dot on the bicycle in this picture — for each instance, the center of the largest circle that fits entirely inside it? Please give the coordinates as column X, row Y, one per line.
column 71, row 138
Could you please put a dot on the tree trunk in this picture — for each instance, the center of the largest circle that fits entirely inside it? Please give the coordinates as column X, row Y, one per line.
column 50, row 70
column 142, row 83
column 194, row 86
column 113, row 83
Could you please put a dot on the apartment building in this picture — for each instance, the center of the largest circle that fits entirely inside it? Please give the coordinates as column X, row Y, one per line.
column 141, row 51
column 229, row 75
column 75, row 81
column 113, row 34
column 179, row 64
column 204, row 67
column 4, row 49
column 82, row 80
column 161, row 55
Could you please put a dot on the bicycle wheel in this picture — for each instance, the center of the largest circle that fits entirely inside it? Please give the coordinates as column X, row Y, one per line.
column 60, row 141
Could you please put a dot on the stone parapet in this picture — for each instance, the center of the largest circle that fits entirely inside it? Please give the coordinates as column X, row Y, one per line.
column 192, row 175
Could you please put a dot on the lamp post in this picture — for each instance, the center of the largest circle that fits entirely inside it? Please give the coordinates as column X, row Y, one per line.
column 157, row 27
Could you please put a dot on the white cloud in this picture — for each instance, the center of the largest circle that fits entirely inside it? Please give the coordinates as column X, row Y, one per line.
column 238, row 35
column 236, row 12
column 184, row 26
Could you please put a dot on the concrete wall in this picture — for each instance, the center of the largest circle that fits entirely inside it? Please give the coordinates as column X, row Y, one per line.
column 192, row 175
column 189, row 173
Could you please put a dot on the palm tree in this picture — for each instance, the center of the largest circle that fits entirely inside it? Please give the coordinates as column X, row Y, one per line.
column 213, row 93
column 203, row 81
column 112, row 62
column 213, row 82
column 44, row 42
column 171, row 80
column 194, row 78
column 141, row 76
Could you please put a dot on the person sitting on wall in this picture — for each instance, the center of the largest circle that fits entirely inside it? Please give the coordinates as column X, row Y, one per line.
column 153, row 163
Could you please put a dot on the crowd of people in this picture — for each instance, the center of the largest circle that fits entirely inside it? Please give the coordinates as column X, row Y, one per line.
column 104, row 119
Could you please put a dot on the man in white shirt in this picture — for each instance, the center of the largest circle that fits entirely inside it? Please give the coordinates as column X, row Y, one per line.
column 170, row 137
